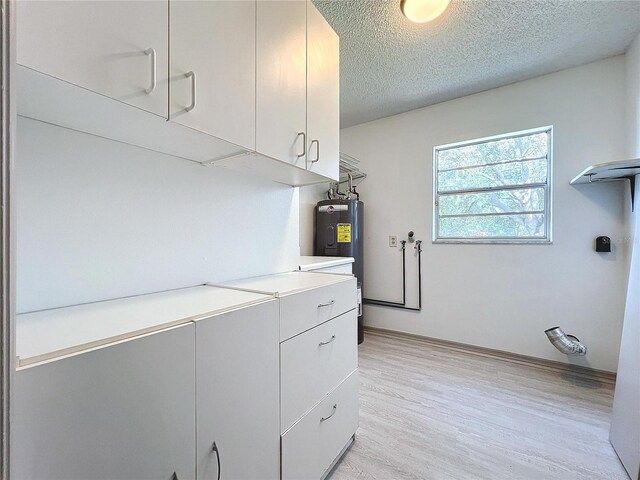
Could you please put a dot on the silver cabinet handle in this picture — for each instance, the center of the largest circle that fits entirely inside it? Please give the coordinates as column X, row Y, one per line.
column 304, row 143
column 333, row 337
column 333, row 411
column 317, row 142
column 215, row 449
column 327, row 304
column 151, row 52
column 193, row 91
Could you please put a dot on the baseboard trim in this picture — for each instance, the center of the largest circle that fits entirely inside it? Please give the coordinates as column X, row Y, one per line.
column 587, row 373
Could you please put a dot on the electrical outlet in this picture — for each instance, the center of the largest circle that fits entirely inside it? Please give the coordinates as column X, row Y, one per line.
column 393, row 240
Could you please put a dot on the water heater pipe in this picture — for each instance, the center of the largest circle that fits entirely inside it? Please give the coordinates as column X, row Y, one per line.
column 567, row 344
column 402, row 306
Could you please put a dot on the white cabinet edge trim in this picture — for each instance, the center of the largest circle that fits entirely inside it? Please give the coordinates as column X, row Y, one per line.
column 37, row 361
column 340, row 277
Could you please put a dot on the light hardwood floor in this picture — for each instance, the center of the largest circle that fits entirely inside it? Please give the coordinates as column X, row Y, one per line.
column 434, row 412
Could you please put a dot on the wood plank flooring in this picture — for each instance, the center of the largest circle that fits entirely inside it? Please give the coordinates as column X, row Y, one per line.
column 433, row 412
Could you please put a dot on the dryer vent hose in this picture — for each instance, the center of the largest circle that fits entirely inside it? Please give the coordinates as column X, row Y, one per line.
column 567, row 344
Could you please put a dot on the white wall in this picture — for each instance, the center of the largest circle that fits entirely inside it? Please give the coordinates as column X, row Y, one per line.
column 309, row 196
column 97, row 219
column 503, row 296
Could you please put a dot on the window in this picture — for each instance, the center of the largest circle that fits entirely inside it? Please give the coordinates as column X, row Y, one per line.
column 494, row 190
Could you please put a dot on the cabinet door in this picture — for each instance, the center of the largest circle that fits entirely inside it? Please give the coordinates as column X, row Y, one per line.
column 120, row 412
column 281, row 92
column 323, row 96
column 215, row 40
column 237, row 400
column 115, row 48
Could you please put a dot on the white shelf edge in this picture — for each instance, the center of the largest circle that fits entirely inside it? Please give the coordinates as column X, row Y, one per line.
column 589, row 174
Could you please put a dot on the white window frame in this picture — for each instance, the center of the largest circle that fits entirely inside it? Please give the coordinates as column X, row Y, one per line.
column 548, row 187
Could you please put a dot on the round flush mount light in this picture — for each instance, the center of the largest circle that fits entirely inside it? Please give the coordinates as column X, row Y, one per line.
column 422, row 11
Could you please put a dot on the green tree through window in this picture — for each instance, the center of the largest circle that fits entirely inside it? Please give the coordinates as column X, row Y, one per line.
column 495, row 189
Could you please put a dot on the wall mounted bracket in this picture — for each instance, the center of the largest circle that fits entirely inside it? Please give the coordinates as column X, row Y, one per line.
column 609, row 172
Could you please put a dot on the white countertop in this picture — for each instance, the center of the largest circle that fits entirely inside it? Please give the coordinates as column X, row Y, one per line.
column 49, row 334
column 313, row 262
column 287, row 283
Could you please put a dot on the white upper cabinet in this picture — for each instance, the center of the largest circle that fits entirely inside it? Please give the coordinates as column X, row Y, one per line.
column 298, row 87
column 323, row 95
column 248, row 85
column 212, row 68
column 281, row 92
column 115, row 48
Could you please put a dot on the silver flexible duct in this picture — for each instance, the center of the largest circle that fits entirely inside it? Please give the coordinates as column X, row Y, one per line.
column 567, row 344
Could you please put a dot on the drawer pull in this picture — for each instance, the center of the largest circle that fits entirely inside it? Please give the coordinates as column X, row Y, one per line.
column 151, row 53
column 335, row 407
column 191, row 75
column 327, row 304
column 317, row 142
column 215, row 449
column 304, row 144
column 333, row 337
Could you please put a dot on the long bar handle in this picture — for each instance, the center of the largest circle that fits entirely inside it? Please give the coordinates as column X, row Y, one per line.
column 326, row 304
column 304, row 143
column 333, row 337
column 215, row 449
column 333, row 411
column 193, row 91
column 317, row 142
column 151, row 52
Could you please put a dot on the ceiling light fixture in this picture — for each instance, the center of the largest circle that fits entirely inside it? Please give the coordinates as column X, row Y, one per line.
column 422, row 11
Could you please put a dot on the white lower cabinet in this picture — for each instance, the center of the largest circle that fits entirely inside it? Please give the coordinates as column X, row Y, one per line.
column 216, row 397
column 156, row 405
column 318, row 378
column 237, row 371
column 121, row 412
column 314, row 443
column 315, row 362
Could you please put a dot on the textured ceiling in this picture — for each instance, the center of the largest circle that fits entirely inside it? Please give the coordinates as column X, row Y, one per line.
column 390, row 65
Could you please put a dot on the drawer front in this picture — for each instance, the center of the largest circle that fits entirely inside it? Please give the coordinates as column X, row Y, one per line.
column 311, row 446
column 304, row 310
column 314, row 363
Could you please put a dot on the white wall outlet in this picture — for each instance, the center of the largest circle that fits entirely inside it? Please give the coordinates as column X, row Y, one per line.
column 393, row 240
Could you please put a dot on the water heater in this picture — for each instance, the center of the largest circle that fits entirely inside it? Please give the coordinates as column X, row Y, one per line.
column 338, row 232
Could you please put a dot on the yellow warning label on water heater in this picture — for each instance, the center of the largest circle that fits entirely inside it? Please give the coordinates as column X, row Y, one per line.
column 344, row 233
